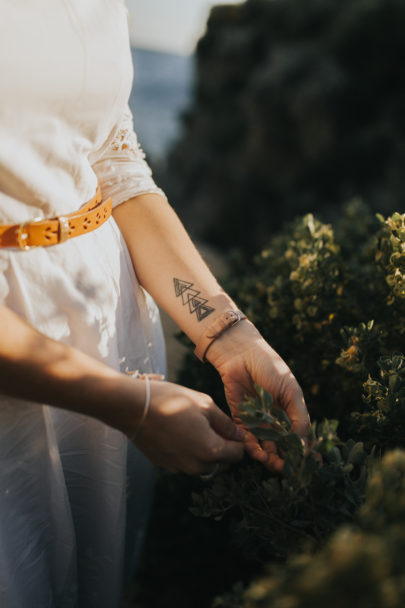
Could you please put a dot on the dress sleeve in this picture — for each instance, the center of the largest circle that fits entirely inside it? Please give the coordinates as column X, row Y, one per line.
column 120, row 166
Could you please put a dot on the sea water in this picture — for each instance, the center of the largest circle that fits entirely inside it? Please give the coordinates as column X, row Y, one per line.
column 161, row 92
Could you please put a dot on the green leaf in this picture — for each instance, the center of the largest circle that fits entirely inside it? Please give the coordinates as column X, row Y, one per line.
column 266, row 434
column 281, row 416
column 357, row 455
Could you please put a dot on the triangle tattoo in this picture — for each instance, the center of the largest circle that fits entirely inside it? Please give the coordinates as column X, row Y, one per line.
column 191, row 298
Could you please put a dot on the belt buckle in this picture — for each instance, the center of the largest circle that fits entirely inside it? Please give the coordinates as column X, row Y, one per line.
column 22, row 235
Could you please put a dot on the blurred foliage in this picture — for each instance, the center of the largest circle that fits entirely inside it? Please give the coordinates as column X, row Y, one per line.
column 298, row 106
column 276, row 516
column 186, row 561
column 362, row 565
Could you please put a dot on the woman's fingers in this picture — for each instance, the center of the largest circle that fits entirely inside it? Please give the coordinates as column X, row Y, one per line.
column 229, row 438
column 185, row 431
column 297, row 412
column 287, row 396
column 274, row 462
column 254, row 449
column 229, row 452
column 224, row 426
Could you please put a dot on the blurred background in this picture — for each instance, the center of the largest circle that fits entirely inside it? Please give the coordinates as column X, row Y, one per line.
column 164, row 36
column 254, row 112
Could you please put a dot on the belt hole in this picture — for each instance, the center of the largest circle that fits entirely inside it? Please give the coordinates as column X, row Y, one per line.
column 48, row 232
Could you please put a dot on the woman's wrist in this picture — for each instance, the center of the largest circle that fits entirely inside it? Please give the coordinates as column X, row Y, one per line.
column 118, row 402
column 232, row 342
column 222, row 323
column 215, row 306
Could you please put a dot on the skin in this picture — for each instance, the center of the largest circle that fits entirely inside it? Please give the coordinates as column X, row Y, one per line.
column 161, row 249
column 184, row 429
column 62, row 376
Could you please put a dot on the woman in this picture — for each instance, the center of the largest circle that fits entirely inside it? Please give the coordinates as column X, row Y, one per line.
column 74, row 315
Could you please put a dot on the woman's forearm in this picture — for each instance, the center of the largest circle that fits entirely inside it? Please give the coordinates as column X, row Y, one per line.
column 171, row 270
column 168, row 265
column 41, row 370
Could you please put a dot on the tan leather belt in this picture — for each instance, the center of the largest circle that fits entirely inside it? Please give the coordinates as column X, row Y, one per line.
column 43, row 232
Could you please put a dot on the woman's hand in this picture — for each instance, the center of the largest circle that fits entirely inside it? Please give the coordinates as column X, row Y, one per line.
column 185, row 431
column 243, row 358
column 161, row 252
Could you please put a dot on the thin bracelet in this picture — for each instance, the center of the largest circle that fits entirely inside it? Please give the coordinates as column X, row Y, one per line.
column 147, row 377
column 146, row 406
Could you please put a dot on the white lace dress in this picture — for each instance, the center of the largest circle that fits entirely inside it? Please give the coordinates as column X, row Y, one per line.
column 65, row 78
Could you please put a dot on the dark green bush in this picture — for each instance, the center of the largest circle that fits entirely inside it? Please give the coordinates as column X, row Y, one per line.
column 332, row 302
column 277, row 516
column 298, row 106
column 382, row 421
column 362, row 565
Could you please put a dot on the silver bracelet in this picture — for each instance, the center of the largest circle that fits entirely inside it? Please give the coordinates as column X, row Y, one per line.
column 147, row 378
column 147, row 404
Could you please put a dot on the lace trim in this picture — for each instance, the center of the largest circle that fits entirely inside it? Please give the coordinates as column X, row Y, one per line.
column 125, row 139
column 121, row 169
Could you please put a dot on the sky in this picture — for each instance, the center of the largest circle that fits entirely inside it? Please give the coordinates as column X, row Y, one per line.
column 169, row 25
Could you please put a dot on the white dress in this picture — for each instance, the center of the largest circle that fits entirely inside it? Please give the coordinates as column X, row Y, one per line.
column 65, row 78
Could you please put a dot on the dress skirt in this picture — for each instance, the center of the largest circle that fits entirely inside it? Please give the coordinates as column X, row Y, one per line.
column 63, row 476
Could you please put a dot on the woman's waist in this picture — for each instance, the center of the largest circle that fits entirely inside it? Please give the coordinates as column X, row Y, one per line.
column 67, row 290
column 49, row 231
column 47, row 193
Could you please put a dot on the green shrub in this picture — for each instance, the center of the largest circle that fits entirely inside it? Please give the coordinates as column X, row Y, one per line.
column 331, row 301
column 382, row 421
column 277, row 516
column 362, row 565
